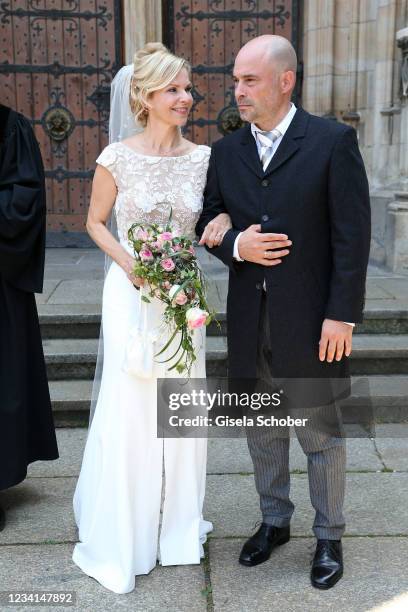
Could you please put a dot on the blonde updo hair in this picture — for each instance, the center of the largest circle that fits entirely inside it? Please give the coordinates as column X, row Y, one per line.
column 154, row 67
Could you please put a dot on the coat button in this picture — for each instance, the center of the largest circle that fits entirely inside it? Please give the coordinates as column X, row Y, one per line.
column 258, row 286
column 265, row 217
column 265, row 183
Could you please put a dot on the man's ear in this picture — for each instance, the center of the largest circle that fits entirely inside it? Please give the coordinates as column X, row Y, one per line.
column 288, row 80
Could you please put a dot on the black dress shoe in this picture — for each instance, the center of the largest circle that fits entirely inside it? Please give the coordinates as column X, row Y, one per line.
column 2, row 518
column 327, row 565
column 259, row 547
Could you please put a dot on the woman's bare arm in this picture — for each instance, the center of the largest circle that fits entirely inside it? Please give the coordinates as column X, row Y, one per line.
column 102, row 200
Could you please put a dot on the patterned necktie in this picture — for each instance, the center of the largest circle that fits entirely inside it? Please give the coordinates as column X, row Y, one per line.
column 266, row 140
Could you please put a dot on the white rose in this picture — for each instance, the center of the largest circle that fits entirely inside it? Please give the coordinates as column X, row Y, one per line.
column 173, row 290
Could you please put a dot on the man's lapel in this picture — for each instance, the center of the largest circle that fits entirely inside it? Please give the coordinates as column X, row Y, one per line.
column 288, row 146
column 249, row 153
column 290, row 142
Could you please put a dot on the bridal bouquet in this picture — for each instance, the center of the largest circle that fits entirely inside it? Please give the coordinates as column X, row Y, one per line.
column 169, row 267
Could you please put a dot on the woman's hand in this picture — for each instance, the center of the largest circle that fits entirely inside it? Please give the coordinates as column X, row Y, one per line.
column 128, row 268
column 215, row 230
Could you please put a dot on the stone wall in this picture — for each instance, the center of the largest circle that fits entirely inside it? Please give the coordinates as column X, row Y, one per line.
column 352, row 70
column 353, row 73
column 142, row 24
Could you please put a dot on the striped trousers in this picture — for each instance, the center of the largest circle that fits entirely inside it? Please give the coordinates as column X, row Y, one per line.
column 269, row 449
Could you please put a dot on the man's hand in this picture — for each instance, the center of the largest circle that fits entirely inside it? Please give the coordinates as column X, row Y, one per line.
column 215, row 230
column 257, row 247
column 336, row 340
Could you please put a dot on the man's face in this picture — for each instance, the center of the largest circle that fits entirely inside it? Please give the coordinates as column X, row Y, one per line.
column 257, row 86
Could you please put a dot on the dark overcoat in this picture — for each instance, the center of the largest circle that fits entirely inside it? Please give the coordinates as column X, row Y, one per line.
column 315, row 190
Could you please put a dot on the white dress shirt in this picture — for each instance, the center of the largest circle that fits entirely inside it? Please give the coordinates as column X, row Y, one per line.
column 281, row 128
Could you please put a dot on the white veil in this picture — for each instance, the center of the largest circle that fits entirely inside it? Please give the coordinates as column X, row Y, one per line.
column 121, row 125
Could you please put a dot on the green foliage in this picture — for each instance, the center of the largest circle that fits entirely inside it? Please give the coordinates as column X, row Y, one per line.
column 165, row 262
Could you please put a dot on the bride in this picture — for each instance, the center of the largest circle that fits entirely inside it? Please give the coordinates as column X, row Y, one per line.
column 118, row 498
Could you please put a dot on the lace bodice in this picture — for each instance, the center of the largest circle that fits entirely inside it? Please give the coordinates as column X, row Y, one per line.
column 148, row 186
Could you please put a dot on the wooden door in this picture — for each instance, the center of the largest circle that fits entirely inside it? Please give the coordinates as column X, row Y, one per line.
column 57, row 60
column 209, row 33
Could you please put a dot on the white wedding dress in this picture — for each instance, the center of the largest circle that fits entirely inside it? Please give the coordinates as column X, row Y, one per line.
column 118, row 498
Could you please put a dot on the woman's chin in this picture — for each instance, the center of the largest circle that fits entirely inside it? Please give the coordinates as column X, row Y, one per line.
column 180, row 120
column 171, row 120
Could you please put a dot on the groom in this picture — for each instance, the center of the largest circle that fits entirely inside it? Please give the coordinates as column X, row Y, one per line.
column 296, row 190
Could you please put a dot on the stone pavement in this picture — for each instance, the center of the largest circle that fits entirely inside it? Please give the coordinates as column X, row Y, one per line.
column 36, row 547
column 74, row 279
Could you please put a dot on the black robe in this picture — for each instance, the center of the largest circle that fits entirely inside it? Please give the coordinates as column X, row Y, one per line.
column 27, row 430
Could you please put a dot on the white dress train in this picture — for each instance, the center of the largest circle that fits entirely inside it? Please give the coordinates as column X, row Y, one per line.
column 118, row 497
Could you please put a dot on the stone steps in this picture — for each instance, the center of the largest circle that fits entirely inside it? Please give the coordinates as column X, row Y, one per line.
column 68, row 359
column 75, row 359
column 388, row 398
column 83, row 321
column 70, row 333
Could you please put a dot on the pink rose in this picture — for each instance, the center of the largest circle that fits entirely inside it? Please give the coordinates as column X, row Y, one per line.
column 167, row 264
column 196, row 317
column 164, row 237
column 180, row 298
column 146, row 255
column 142, row 234
column 177, row 247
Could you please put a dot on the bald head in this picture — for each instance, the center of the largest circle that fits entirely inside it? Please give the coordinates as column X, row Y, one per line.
column 271, row 48
column 265, row 77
